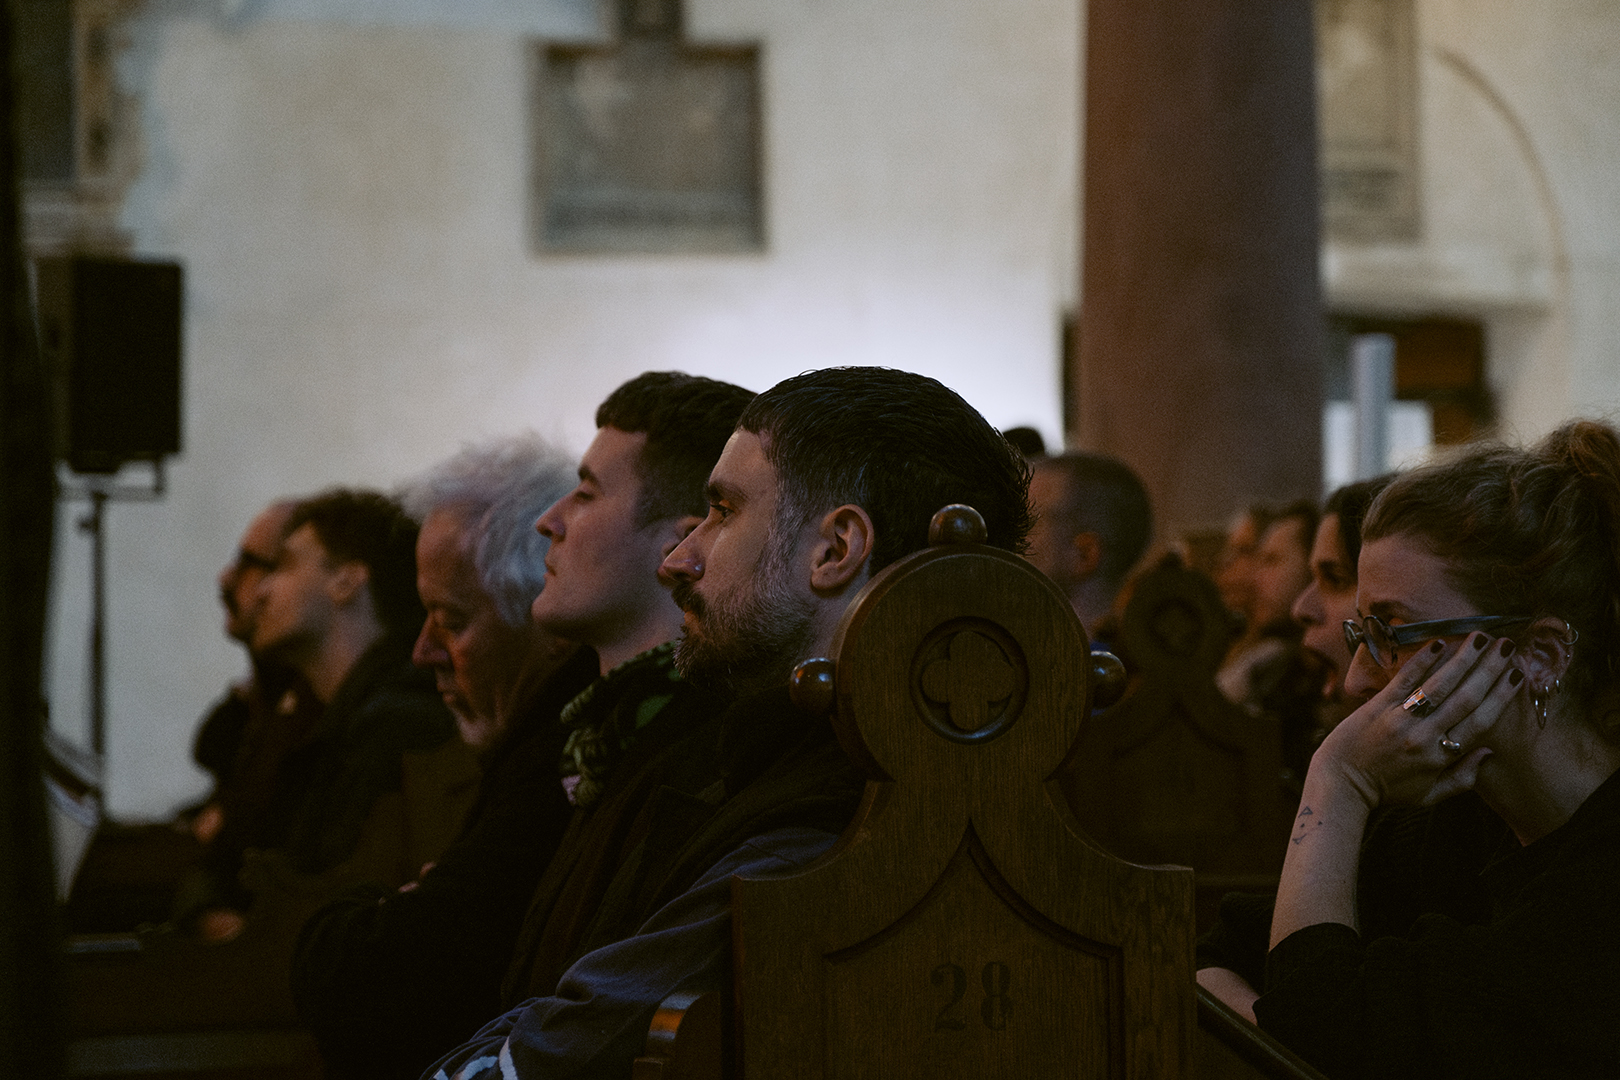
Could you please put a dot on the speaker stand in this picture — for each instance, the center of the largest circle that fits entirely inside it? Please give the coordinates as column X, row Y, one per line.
column 100, row 490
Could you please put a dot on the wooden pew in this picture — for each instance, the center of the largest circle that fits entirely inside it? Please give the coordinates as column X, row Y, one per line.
column 964, row 925
column 1174, row 772
column 159, row 1004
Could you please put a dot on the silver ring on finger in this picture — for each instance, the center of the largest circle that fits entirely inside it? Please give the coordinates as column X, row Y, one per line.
column 1450, row 746
column 1419, row 704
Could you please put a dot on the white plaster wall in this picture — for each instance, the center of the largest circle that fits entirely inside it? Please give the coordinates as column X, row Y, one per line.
column 345, row 184
column 1519, row 128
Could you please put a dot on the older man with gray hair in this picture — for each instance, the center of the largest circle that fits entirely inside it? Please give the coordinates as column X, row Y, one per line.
column 479, row 565
column 385, row 979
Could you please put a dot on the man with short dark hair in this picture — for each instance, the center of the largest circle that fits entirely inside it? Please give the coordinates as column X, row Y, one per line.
column 340, row 606
column 854, row 463
column 388, row 980
column 327, row 602
column 1093, row 523
column 640, row 492
column 817, row 490
column 344, row 579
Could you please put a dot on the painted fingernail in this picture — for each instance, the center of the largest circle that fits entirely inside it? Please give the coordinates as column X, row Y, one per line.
column 1481, row 641
column 1515, row 677
column 1437, row 646
column 1507, row 646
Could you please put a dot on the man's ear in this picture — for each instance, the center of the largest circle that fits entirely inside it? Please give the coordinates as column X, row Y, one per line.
column 347, row 581
column 679, row 529
column 1088, row 553
column 1545, row 654
column 842, row 549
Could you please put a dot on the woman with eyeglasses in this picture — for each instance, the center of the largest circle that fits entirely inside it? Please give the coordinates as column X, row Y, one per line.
column 1487, row 644
column 1414, row 860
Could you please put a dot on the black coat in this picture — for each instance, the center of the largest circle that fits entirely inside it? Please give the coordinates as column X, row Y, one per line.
column 1414, row 861
column 388, row 981
column 384, row 708
column 673, row 812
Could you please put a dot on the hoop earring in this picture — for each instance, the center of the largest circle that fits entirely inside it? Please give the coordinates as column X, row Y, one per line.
column 1574, row 634
column 1540, row 701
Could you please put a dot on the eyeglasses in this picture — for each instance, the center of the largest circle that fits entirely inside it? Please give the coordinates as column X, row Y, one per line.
column 1383, row 639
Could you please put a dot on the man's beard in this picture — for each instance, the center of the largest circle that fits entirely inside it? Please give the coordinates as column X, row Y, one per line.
column 748, row 642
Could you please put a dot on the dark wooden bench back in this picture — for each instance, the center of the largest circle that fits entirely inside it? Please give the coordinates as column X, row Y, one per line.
column 964, row 926
column 1174, row 772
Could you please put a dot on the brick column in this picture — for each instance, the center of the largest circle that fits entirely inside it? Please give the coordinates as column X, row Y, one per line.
column 1200, row 319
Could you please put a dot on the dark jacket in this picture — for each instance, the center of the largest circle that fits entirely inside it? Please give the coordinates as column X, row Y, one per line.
column 306, row 778
column 671, row 814
column 636, row 713
column 1531, row 990
column 388, row 981
column 384, row 708
column 245, row 741
column 759, row 790
column 1414, row 861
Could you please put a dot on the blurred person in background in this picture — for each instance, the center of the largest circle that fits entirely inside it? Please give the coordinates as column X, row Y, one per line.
column 1234, row 569
column 338, row 606
column 132, row 872
column 243, row 740
column 1092, row 524
column 1266, row 670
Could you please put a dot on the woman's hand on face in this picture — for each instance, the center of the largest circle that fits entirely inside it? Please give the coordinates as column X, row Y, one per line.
column 1396, row 750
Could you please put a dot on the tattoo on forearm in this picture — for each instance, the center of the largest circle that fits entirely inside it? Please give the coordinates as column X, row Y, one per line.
column 1304, row 812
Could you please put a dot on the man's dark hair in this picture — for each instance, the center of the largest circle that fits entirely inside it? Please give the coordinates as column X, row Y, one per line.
column 1102, row 495
column 1350, row 503
column 355, row 525
column 687, row 420
column 898, row 445
column 1026, row 440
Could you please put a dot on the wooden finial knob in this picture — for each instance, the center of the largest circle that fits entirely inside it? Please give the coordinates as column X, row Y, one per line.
column 811, row 687
column 957, row 524
column 1107, row 679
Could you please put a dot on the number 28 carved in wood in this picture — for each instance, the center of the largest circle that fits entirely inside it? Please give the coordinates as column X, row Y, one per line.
column 996, row 1006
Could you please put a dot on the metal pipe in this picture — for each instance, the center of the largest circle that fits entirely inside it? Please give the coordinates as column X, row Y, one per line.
column 1372, row 386
column 94, row 525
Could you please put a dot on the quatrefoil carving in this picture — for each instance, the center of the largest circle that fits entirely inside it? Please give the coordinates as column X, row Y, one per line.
column 969, row 680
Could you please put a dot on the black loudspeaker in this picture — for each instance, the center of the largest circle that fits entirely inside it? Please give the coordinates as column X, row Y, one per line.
column 110, row 332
